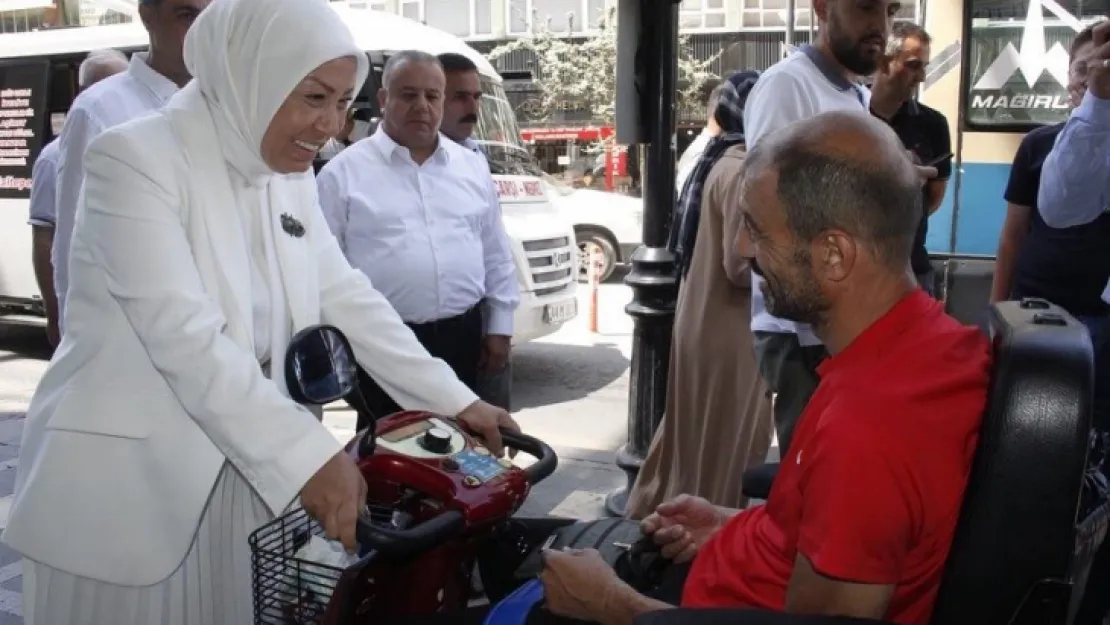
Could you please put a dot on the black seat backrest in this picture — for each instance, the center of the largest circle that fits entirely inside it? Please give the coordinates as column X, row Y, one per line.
column 1012, row 557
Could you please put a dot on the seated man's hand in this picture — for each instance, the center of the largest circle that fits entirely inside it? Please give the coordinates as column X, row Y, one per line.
column 579, row 584
column 682, row 525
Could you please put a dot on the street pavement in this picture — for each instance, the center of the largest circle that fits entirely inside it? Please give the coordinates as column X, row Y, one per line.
column 569, row 389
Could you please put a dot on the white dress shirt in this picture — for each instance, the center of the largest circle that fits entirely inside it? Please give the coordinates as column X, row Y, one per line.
column 331, row 149
column 689, row 158
column 108, row 103
column 44, row 181
column 430, row 236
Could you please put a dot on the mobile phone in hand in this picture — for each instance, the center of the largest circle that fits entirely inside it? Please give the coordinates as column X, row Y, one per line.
column 938, row 160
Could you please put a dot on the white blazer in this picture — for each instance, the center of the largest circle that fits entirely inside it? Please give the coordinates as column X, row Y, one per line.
column 156, row 383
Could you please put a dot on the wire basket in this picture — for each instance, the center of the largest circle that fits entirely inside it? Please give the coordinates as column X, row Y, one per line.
column 289, row 590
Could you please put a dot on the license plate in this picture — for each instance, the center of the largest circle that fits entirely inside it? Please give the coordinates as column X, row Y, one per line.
column 560, row 313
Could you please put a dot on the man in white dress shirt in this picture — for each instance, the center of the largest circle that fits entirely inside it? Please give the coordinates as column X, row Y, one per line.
column 462, row 99
column 43, row 185
column 150, row 80
column 461, row 104
column 97, row 66
column 419, row 214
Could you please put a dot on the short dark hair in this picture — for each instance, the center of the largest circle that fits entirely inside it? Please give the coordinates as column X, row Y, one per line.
column 902, row 30
column 873, row 201
column 454, row 62
column 1085, row 36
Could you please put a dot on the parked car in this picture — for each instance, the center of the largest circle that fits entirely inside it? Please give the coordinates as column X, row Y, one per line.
column 609, row 223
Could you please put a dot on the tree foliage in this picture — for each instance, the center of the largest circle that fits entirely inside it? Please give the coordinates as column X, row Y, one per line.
column 583, row 71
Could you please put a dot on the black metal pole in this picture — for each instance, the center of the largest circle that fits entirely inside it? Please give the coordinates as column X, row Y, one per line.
column 654, row 287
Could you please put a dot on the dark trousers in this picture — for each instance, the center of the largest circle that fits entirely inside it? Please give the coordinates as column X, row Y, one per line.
column 496, row 387
column 456, row 340
column 498, row 564
column 1095, row 605
column 790, row 370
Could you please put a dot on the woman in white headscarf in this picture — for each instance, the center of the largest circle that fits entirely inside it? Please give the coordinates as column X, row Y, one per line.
column 160, row 436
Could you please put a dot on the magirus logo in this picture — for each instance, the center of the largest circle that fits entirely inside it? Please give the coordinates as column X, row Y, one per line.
column 1033, row 60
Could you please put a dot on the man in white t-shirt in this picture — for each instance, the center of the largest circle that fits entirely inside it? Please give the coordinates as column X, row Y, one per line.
column 814, row 79
column 150, row 80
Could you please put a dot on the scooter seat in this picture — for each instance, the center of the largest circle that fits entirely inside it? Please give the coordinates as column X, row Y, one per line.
column 514, row 609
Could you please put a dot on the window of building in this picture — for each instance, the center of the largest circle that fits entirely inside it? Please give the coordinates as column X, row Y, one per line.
column 483, row 17
column 1015, row 81
column 771, row 14
column 560, row 16
column 412, row 9
column 462, row 18
column 366, row 4
column 452, row 16
column 702, row 14
column 21, row 21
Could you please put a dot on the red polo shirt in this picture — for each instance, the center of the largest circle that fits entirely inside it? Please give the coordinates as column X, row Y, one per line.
column 871, row 489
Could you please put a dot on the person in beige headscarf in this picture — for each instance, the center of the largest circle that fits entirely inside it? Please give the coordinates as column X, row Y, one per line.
column 718, row 414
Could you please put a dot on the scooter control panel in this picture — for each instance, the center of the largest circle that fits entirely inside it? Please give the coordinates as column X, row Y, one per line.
column 436, row 439
column 427, row 438
column 480, row 464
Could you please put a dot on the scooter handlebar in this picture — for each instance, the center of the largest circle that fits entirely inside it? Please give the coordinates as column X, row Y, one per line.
column 412, row 540
column 546, row 460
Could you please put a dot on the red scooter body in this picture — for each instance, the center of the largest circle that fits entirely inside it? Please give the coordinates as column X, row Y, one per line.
column 422, row 466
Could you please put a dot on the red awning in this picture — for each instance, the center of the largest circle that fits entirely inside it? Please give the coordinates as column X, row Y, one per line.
column 593, row 133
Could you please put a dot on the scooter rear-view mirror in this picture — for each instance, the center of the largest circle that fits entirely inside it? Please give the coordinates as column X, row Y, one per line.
column 320, row 366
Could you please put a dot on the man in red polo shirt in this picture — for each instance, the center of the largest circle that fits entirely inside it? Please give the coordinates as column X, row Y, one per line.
column 862, row 513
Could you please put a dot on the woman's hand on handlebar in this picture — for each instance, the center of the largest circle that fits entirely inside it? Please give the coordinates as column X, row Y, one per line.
column 334, row 496
column 485, row 421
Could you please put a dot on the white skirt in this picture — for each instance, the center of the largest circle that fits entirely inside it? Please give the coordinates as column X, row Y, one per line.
column 211, row 587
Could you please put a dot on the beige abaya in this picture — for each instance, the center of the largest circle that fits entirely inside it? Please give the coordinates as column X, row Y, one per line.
column 718, row 414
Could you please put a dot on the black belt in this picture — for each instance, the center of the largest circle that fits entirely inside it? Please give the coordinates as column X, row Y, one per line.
column 449, row 323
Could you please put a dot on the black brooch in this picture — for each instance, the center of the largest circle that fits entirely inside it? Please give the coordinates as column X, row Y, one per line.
column 291, row 226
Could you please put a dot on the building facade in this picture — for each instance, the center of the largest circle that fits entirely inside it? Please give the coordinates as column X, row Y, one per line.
column 730, row 34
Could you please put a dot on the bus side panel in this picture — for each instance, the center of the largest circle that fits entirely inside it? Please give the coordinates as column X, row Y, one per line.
column 23, row 96
column 18, row 286
column 939, row 238
column 982, row 209
column 985, row 172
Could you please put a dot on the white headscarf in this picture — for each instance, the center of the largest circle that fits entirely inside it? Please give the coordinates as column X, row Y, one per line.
column 246, row 56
